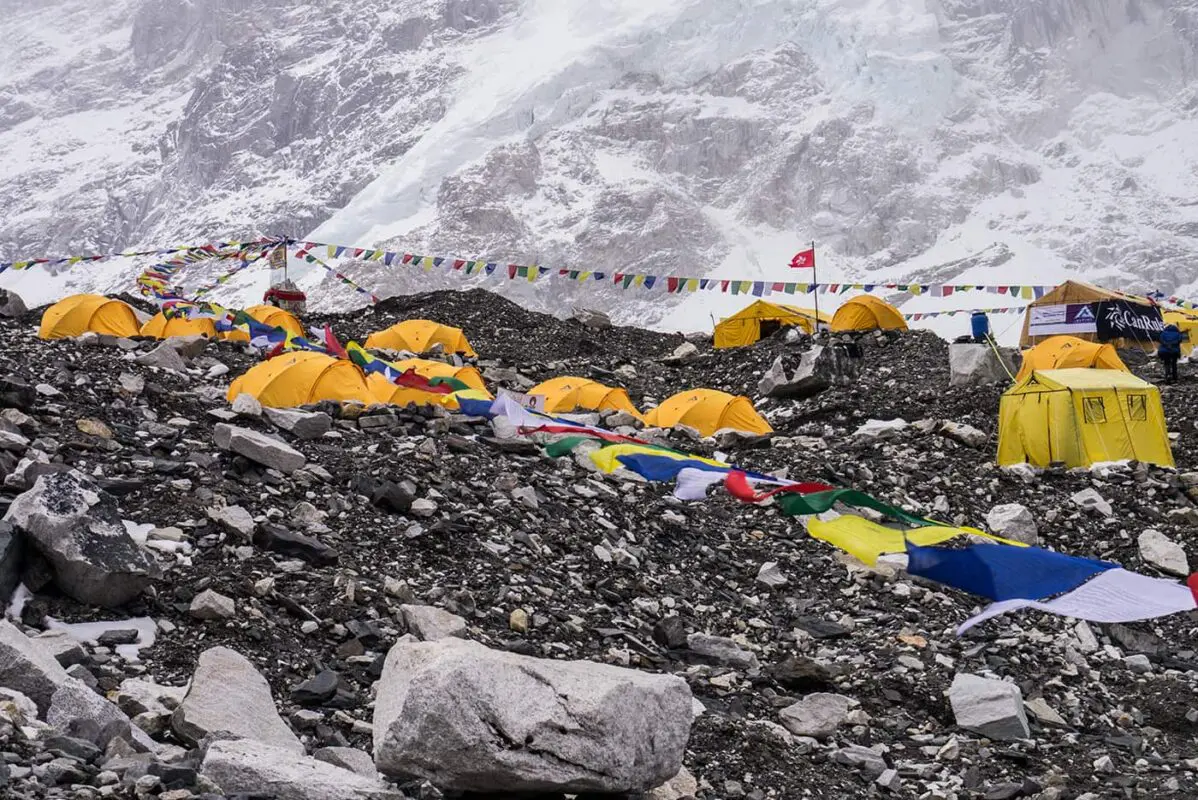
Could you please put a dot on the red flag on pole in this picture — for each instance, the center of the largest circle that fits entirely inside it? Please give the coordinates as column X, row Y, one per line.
column 803, row 260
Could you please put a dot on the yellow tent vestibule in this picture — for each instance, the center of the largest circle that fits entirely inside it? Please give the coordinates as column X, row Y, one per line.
column 1078, row 417
column 566, row 394
column 1068, row 352
column 707, row 411
column 303, row 377
column 760, row 319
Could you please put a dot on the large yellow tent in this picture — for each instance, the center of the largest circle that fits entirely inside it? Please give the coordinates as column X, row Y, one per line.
column 419, row 336
column 760, row 319
column 80, row 313
column 162, row 327
column 269, row 315
column 1187, row 323
column 566, row 394
column 1076, row 292
column 867, row 313
column 302, row 377
column 707, row 411
column 1068, row 352
column 1082, row 416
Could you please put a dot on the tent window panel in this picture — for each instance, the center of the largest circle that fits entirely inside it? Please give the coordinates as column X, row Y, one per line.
column 1137, row 407
column 1094, row 410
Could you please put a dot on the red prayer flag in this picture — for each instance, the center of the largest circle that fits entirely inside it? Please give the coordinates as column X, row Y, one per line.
column 803, row 260
column 737, row 484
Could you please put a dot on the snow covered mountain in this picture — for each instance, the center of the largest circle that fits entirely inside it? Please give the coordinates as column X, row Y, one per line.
column 983, row 141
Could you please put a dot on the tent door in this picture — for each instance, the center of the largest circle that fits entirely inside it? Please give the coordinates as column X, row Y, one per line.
column 769, row 327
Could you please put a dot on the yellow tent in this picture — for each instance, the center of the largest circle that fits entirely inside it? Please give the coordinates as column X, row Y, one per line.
column 1068, row 352
column 162, row 327
column 386, row 392
column 419, row 336
column 1081, row 416
column 867, row 313
column 80, row 313
column 1187, row 323
column 563, row 395
column 299, row 378
column 707, row 411
column 760, row 319
column 1074, row 292
column 269, row 315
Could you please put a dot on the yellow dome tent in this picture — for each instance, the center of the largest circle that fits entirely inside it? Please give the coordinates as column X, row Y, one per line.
column 760, row 319
column 1187, row 323
column 566, row 394
column 162, row 327
column 299, row 378
column 269, row 315
column 1069, row 352
column 867, row 313
column 80, row 313
column 386, row 392
column 1082, row 416
column 707, row 411
column 419, row 336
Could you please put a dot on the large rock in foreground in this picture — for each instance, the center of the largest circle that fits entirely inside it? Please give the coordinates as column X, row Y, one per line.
column 229, row 699
column 77, row 527
column 28, row 668
column 818, row 369
column 468, row 718
column 253, row 768
column 990, row 707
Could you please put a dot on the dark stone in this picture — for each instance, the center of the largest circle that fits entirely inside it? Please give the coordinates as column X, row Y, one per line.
column 670, row 633
column 122, row 636
column 12, row 559
column 79, row 749
column 16, row 393
column 174, row 776
column 1004, row 791
column 801, row 674
column 392, row 496
column 365, row 631
column 281, row 540
column 317, row 690
column 821, row 628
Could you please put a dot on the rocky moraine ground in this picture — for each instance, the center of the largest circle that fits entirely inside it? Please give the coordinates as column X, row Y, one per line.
column 403, row 603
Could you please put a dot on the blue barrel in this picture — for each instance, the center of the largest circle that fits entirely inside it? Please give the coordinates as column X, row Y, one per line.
column 980, row 324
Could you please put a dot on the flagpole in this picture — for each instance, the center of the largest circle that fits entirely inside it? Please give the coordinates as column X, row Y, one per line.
column 815, row 283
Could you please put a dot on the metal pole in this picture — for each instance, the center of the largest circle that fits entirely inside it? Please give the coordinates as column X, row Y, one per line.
column 815, row 283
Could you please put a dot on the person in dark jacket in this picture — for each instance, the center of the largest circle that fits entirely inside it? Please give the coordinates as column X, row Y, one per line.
column 1169, row 351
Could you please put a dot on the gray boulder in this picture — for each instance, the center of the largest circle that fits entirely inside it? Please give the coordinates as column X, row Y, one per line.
column 11, row 304
column 431, row 624
column 817, row 715
column 253, row 768
column 12, row 552
column 188, row 347
column 234, row 518
column 246, row 405
column 74, row 700
column 210, row 604
column 974, row 364
column 685, row 353
column 164, row 356
column 79, row 531
column 1013, row 521
column 468, row 718
column 350, row 758
column 721, row 650
column 28, row 668
column 963, row 434
column 1163, row 553
column 229, row 699
column 989, row 707
column 818, row 369
column 591, row 318
column 302, row 425
column 258, row 447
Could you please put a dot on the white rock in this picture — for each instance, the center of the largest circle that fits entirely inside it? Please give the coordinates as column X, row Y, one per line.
column 210, row 604
column 302, row 425
column 1087, row 642
column 1091, row 500
column 1041, row 710
column 721, row 650
column 991, row 708
column 258, row 447
column 881, row 429
column 972, row 364
column 964, row 434
column 431, row 624
column 1013, row 521
column 246, row 405
column 681, row 786
column 350, row 758
column 1138, row 663
column 1163, row 553
column 254, row 768
column 234, row 518
column 423, row 507
column 817, row 715
column 468, row 718
column 137, row 696
column 27, row 668
column 163, row 357
column 771, row 575
column 229, row 696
